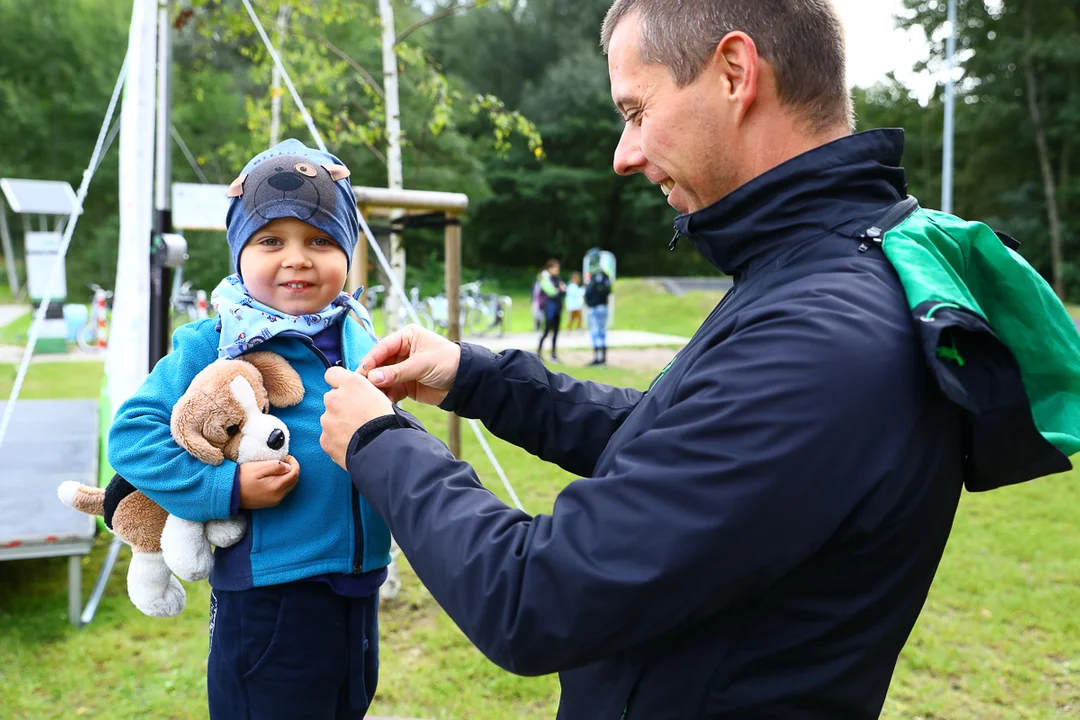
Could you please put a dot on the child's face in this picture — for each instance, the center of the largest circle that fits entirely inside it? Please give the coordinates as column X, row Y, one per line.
column 293, row 267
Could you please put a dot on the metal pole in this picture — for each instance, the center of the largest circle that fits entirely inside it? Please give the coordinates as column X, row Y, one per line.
column 393, row 150
column 9, row 251
column 453, row 311
column 160, row 275
column 950, row 108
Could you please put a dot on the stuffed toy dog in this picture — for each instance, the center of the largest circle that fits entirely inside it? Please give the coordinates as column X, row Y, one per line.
column 222, row 415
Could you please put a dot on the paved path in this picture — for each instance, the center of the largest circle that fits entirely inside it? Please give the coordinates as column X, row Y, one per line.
column 11, row 313
column 580, row 340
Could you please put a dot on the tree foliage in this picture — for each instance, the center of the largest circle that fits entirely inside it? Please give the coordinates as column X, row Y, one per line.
column 479, row 88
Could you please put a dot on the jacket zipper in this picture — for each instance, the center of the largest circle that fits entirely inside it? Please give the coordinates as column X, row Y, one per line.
column 358, row 525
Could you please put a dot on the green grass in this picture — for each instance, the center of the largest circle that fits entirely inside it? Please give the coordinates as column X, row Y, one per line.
column 54, row 380
column 16, row 332
column 639, row 305
column 999, row 637
column 1074, row 310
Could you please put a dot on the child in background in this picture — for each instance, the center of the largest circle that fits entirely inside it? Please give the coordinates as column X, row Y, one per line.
column 575, row 301
column 293, row 626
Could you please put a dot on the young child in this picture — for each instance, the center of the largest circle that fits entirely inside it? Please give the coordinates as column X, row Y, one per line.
column 575, row 301
column 293, row 627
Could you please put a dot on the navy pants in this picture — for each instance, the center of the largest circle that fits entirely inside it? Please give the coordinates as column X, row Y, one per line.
column 292, row 652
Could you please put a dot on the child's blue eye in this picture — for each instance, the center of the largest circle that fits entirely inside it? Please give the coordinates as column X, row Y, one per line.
column 320, row 242
column 270, row 241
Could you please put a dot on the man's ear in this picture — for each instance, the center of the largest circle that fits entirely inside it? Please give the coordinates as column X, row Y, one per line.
column 236, row 189
column 738, row 60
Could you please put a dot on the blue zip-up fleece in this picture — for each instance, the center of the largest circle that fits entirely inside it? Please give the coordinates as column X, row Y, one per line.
column 322, row 526
column 755, row 535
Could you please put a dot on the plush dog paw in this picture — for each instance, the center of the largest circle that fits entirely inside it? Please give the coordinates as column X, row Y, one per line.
column 185, row 549
column 152, row 588
column 226, row 533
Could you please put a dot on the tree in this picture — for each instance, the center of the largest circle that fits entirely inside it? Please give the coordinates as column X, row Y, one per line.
column 1020, row 62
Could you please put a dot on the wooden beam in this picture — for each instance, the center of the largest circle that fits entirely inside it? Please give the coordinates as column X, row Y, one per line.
column 453, row 311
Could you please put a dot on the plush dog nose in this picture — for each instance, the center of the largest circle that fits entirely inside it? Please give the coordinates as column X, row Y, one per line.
column 276, row 441
column 285, row 181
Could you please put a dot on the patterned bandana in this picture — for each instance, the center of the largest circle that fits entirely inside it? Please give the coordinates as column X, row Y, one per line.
column 244, row 322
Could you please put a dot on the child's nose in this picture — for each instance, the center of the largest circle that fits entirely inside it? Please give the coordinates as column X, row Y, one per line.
column 296, row 257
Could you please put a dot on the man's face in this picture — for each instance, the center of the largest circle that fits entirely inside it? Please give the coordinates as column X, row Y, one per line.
column 679, row 138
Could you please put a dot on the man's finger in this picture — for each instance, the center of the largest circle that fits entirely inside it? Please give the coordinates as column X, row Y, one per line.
column 389, row 347
column 405, row 371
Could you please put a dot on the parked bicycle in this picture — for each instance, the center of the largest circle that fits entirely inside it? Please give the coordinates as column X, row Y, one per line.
column 188, row 305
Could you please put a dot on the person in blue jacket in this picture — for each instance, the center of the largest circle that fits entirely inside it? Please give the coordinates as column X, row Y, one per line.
column 293, row 626
column 753, row 536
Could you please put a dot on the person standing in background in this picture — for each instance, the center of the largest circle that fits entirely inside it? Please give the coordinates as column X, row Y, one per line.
column 596, row 294
column 575, row 301
column 553, row 289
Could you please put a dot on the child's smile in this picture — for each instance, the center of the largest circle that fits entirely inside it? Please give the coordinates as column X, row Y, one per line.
column 293, row 267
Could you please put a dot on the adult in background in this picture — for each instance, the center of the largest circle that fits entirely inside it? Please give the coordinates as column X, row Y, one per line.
column 597, row 292
column 553, row 289
column 755, row 535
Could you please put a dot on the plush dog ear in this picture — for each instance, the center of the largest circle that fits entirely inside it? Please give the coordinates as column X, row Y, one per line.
column 187, row 431
column 282, row 384
column 237, row 187
column 337, row 172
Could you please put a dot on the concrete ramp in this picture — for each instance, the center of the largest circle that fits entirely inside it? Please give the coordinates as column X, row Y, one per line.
column 48, row 442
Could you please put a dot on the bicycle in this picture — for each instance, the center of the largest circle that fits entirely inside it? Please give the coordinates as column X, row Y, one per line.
column 499, row 307
column 191, row 304
column 94, row 335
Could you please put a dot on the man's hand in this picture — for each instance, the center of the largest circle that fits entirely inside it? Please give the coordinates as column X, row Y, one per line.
column 414, row 363
column 351, row 403
column 266, row 483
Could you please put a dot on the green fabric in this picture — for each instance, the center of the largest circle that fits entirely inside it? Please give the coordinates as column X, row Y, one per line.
column 548, row 285
column 946, row 260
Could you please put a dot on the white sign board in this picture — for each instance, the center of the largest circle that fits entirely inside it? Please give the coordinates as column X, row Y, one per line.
column 199, row 207
column 42, row 252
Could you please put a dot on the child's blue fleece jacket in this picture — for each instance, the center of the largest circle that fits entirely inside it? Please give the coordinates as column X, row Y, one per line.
column 322, row 526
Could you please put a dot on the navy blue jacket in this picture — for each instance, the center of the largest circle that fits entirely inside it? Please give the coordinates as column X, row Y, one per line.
column 756, row 534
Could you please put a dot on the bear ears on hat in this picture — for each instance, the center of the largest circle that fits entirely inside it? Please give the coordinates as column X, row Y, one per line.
column 337, row 172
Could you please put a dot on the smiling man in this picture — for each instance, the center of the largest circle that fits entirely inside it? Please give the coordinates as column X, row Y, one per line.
column 755, row 535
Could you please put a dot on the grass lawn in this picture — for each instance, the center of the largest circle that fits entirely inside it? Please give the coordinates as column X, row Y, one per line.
column 998, row 639
column 639, row 305
column 17, row 331
column 54, row 380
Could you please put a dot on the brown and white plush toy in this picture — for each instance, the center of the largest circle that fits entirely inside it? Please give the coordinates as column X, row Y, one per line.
column 222, row 415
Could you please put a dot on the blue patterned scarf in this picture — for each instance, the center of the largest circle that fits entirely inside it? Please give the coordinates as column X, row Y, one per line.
column 244, row 322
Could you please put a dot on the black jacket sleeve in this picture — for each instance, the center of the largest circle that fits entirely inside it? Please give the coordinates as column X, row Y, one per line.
column 551, row 415
column 769, row 444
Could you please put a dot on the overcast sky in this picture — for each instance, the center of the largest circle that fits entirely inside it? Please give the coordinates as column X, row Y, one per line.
column 875, row 46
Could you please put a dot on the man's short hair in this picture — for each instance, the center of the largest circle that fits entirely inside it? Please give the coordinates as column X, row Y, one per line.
column 803, row 41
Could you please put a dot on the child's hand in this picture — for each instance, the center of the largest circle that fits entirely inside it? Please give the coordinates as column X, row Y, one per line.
column 265, row 484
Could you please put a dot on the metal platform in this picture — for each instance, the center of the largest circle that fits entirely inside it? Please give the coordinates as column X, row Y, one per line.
column 48, row 442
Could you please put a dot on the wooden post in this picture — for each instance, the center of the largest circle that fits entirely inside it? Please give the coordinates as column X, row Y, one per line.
column 453, row 309
column 358, row 273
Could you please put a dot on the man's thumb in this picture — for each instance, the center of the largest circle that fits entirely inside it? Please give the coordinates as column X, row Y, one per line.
column 405, row 371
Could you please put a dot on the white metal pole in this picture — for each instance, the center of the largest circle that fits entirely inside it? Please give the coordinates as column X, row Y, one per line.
column 950, row 109
column 393, row 150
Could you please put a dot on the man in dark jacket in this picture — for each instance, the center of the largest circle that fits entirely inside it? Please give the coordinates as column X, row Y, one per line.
column 756, row 535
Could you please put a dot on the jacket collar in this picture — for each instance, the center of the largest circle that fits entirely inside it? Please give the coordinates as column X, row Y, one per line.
column 805, row 196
